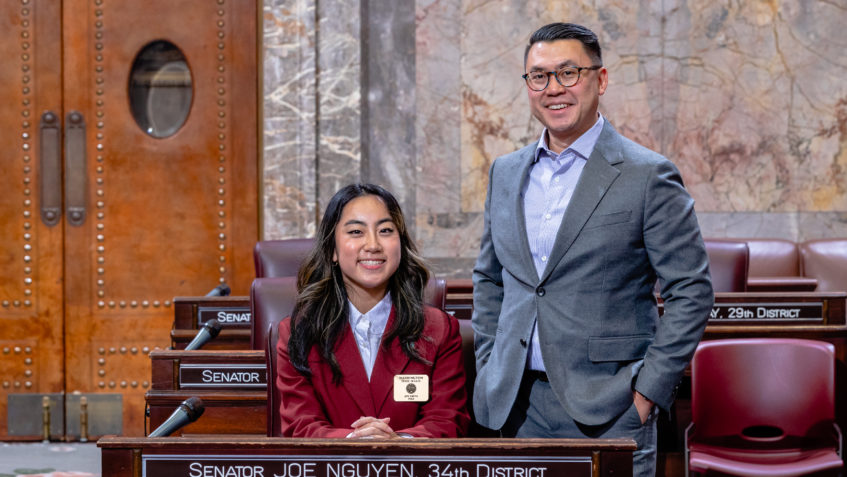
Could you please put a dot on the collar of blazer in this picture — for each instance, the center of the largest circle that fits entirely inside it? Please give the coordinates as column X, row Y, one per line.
column 370, row 396
column 597, row 176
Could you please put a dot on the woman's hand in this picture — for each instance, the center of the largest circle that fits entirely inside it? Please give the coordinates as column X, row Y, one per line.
column 372, row 427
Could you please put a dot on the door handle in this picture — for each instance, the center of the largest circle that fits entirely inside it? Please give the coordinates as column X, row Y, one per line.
column 50, row 168
column 76, row 175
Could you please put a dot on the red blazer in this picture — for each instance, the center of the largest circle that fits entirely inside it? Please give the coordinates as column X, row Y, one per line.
column 319, row 408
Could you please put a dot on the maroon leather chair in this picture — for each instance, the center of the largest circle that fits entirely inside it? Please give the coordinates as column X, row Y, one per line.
column 826, row 261
column 775, row 266
column 435, row 293
column 271, row 300
column 469, row 358
column 763, row 406
column 280, row 258
column 728, row 263
column 771, row 257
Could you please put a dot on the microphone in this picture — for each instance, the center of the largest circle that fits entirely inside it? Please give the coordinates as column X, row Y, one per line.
column 220, row 290
column 208, row 332
column 187, row 412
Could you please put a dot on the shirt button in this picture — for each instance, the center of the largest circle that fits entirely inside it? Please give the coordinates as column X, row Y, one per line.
column 556, row 179
column 547, row 216
column 544, row 258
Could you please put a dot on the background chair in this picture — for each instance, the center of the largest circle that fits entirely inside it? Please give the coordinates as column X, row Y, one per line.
column 271, row 300
column 775, row 266
column 280, row 258
column 763, row 407
column 469, row 359
column 771, row 257
column 728, row 263
column 826, row 261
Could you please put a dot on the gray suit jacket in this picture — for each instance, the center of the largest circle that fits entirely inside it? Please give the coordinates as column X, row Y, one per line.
column 629, row 222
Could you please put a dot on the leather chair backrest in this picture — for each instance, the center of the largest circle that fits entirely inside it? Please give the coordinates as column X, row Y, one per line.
column 826, row 261
column 773, row 257
column 784, row 383
column 271, row 300
column 728, row 263
column 469, row 359
column 280, row 258
column 435, row 293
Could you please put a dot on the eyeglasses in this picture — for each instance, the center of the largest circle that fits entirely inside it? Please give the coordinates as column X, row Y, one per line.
column 567, row 77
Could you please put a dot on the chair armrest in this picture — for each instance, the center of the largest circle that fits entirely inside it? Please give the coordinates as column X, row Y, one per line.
column 781, row 284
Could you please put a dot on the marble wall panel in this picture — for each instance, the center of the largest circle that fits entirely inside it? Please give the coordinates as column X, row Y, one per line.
column 311, row 108
column 389, row 100
column 288, row 166
column 747, row 98
column 339, row 86
column 437, row 133
column 438, row 94
column 760, row 126
column 495, row 117
column 795, row 226
column 748, row 224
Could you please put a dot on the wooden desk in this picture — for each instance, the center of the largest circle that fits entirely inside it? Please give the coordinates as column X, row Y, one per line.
column 459, row 301
column 819, row 316
column 231, row 383
column 246, row 457
column 232, row 312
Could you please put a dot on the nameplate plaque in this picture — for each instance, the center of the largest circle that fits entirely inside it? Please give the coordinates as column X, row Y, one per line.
column 229, row 376
column 777, row 312
column 369, row 465
column 234, row 317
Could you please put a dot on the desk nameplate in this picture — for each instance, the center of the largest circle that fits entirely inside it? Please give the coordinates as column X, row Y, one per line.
column 770, row 312
column 222, row 375
column 777, row 309
column 364, row 465
column 234, row 317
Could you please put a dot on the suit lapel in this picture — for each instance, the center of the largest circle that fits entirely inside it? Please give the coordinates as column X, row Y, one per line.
column 597, row 176
column 519, row 176
column 355, row 379
column 390, row 362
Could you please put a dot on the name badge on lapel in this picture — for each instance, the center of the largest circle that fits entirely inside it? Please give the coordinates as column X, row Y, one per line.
column 411, row 388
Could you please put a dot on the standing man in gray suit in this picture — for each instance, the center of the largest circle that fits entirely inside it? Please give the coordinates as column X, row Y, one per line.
column 578, row 228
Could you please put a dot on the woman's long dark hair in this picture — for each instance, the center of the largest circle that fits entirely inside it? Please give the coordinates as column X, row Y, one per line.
column 321, row 311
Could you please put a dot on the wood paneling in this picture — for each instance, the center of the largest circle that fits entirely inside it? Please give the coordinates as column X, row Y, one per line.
column 164, row 216
column 31, row 274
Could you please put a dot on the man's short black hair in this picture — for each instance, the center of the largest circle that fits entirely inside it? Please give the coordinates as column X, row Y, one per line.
column 567, row 31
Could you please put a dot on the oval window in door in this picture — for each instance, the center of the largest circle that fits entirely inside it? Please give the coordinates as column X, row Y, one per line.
column 160, row 89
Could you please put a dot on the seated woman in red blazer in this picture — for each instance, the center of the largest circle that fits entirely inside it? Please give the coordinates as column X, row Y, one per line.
column 361, row 356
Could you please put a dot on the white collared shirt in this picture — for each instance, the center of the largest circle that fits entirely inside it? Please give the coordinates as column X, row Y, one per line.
column 368, row 328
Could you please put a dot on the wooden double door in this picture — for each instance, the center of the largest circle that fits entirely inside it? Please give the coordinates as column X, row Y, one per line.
column 128, row 148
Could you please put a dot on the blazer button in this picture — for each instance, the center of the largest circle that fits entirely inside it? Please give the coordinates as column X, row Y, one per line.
column 523, row 342
column 540, row 291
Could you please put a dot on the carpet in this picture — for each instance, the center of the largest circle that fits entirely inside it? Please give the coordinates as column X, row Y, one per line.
column 49, row 460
